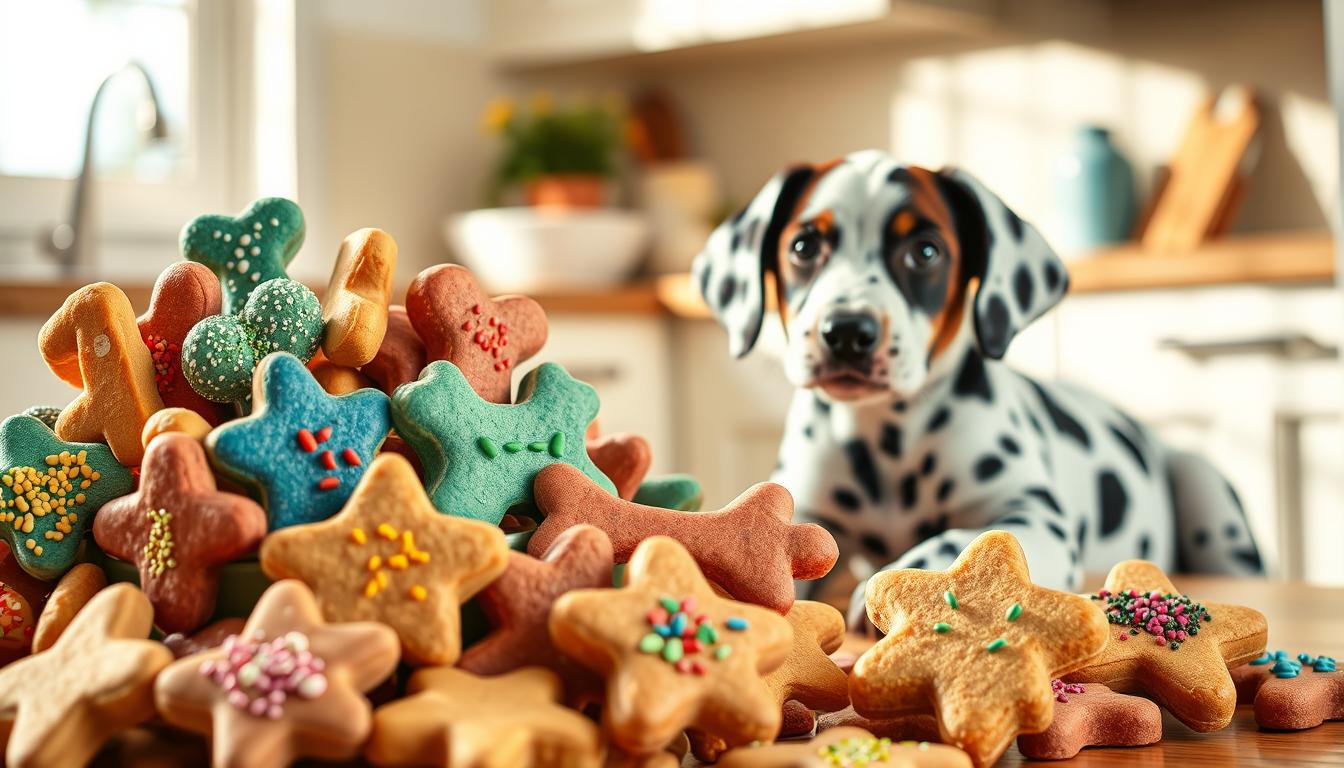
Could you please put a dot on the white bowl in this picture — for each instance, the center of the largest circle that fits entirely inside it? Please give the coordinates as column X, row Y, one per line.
column 535, row 250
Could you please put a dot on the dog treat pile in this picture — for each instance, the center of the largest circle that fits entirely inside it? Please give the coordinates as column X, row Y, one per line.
column 361, row 545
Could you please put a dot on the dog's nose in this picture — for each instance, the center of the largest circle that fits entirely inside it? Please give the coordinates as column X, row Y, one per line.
column 850, row 336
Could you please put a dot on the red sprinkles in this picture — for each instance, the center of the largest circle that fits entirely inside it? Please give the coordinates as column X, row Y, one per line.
column 308, row 443
column 1170, row 619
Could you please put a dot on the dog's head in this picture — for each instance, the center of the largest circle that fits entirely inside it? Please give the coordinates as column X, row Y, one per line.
column 877, row 267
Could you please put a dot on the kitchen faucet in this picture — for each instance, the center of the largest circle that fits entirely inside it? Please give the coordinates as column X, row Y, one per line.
column 67, row 242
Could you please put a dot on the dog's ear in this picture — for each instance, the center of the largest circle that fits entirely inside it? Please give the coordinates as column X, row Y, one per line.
column 730, row 271
column 1020, row 275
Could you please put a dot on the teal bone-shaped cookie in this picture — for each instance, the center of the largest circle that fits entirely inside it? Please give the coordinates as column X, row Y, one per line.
column 480, row 457
column 247, row 250
column 44, row 522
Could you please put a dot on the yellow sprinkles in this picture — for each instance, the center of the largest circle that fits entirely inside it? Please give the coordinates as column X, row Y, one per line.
column 53, row 491
column 158, row 551
column 377, row 565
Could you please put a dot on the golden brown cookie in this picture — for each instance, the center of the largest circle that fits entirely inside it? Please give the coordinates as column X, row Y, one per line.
column 1171, row 648
column 452, row 717
column 337, row 379
column 93, row 344
column 291, row 685
column 977, row 644
column 674, row 654
column 389, row 556
column 899, row 728
column 59, row 706
column 182, row 420
column 852, row 747
column 354, row 308
column 75, row 589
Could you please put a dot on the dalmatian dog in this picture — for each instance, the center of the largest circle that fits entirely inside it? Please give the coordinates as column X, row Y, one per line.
column 900, row 289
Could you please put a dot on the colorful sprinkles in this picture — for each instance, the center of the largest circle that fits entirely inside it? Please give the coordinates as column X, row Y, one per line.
column 166, row 355
column 259, row 675
column 489, row 334
column 1170, row 619
column 1285, row 667
column 16, row 619
column 555, row 446
column 679, row 634
column 1063, row 690
column 158, row 549
column 55, row 491
column 857, row 752
column 407, row 556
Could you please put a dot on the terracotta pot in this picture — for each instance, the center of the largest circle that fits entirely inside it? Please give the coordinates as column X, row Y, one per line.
column 566, row 191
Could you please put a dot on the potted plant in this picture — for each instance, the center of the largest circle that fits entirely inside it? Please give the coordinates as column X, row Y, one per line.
column 560, row 156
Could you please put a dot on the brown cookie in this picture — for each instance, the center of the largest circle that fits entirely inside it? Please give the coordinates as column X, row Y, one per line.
column 452, row 717
column 1171, row 648
column 1291, row 693
column 75, row 589
column 291, row 685
column 674, row 654
column 210, row 636
column 59, row 706
column 182, row 420
column 518, row 605
column 93, row 344
column 847, row 747
column 185, row 294
column 401, row 356
column 796, row 719
column 751, row 548
column 1093, row 715
column 625, row 458
column 336, row 379
column 389, row 556
column 977, row 645
column 900, row 728
column 178, row 529
column 354, row 308
column 485, row 338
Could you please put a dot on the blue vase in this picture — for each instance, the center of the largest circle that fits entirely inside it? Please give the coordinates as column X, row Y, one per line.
column 1096, row 191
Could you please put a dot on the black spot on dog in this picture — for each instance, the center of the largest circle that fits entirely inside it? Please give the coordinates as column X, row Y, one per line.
column 1052, row 276
column 1014, row 419
column 1249, row 558
column 987, row 468
column 861, row 464
column 1082, row 536
column 1047, row 498
column 1063, row 421
column 1232, row 530
column 949, row 550
column 918, row 562
column 1145, row 546
column 899, row 406
column 926, row 468
column 1056, row 530
column 1014, row 223
column 873, row 279
column 938, row 420
column 1130, row 446
column 945, row 489
column 909, row 491
column 846, row 499
column 994, row 327
column 890, row 442
column 930, row 528
column 1023, row 288
column 836, row 530
column 807, row 431
column 1010, row 446
column 736, row 242
column 823, row 407
column 753, row 230
column 876, row 546
column 1011, row 520
column 972, row 380
column 1113, row 502
column 727, row 287
column 1201, row 537
column 1035, row 424
column 705, row 275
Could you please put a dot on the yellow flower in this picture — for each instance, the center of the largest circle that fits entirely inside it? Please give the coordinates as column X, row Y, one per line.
column 542, row 103
column 497, row 115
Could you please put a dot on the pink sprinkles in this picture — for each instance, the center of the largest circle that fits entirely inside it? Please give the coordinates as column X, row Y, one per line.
column 259, row 675
column 1170, row 619
column 1062, row 690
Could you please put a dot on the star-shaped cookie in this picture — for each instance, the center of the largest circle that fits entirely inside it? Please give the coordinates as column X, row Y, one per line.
column 177, row 530
column 1171, row 648
column 485, row 338
column 751, row 548
column 674, row 654
column 247, row 250
column 1093, row 715
column 518, row 605
column 978, row 644
column 452, row 717
column 1291, row 692
column 290, row 685
column 389, row 556
column 480, row 457
column 841, row 747
column 301, row 450
column 49, row 492
column 57, row 707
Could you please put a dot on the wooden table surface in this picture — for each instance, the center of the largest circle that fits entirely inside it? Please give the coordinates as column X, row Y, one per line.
column 1301, row 618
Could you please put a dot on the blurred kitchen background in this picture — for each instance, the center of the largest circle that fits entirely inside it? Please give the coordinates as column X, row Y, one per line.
column 1183, row 156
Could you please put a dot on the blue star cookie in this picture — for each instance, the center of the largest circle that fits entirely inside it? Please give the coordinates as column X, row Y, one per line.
column 49, row 493
column 302, row 450
column 480, row 457
column 248, row 250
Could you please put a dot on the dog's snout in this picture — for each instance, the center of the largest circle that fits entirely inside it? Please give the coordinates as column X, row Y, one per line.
column 850, row 336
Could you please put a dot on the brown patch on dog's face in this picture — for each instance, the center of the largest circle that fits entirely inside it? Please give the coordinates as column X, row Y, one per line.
column 804, row 247
column 924, row 258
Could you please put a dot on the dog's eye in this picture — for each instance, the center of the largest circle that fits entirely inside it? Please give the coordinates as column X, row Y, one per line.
column 808, row 245
column 923, row 254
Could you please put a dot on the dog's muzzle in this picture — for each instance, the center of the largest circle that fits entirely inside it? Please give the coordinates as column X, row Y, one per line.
column 851, row 337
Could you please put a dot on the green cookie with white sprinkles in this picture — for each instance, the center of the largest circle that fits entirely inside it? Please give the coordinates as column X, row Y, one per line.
column 247, row 250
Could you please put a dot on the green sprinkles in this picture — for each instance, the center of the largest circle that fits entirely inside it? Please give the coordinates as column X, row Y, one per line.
column 557, row 445
column 951, row 599
column 942, row 627
column 996, row 646
column 723, row 652
column 513, row 446
column 673, row 650
column 487, row 447
column 1014, row 612
column 536, row 447
column 668, row 604
column 651, row 643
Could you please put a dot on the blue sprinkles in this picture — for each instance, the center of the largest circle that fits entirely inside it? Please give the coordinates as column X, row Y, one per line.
column 736, row 623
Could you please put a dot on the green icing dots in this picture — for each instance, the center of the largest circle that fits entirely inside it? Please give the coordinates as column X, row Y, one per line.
column 942, row 627
column 1014, row 612
column 857, row 752
column 997, row 645
column 555, row 446
column 951, row 600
